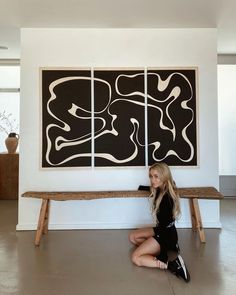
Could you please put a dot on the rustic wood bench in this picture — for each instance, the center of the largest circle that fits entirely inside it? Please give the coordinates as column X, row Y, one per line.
column 193, row 194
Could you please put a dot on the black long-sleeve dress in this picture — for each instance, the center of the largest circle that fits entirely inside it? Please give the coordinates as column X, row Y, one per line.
column 165, row 230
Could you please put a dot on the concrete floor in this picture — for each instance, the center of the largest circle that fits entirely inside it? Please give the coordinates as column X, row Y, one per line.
column 94, row 262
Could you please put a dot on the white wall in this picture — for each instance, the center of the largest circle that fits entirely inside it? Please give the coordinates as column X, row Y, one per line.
column 227, row 119
column 113, row 48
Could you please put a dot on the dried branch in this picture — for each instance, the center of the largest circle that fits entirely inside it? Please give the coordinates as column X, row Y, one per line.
column 7, row 123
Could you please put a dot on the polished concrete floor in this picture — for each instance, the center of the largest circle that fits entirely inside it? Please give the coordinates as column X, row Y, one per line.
column 94, row 262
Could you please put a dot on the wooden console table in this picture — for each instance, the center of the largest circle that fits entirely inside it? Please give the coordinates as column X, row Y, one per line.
column 193, row 194
column 9, row 173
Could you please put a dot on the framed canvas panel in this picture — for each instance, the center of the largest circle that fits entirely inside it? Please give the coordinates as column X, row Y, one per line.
column 172, row 116
column 66, row 117
column 119, row 117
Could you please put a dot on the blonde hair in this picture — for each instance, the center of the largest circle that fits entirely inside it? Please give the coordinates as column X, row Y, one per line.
column 168, row 186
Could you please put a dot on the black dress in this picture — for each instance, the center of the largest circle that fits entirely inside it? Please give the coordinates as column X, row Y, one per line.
column 165, row 230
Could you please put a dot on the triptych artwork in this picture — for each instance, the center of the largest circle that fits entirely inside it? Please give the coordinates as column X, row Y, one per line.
column 118, row 117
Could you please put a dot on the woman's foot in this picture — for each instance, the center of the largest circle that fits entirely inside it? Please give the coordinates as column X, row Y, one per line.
column 161, row 264
column 179, row 268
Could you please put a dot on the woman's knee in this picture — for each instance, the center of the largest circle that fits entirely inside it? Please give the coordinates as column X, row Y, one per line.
column 136, row 259
column 132, row 238
column 140, row 235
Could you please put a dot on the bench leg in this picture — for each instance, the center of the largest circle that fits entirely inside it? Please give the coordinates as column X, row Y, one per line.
column 193, row 215
column 196, row 219
column 45, row 226
column 41, row 221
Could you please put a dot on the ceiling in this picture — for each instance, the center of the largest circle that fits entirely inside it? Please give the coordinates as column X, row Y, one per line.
column 16, row 14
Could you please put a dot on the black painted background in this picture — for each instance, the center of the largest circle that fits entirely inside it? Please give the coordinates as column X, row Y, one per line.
column 125, row 108
column 118, row 100
column 67, row 93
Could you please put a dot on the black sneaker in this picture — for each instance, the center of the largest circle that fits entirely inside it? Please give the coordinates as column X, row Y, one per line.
column 178, row 267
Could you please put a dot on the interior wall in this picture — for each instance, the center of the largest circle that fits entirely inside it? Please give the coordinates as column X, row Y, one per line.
column 113, row 48
column 227, row 121
column 227, row 109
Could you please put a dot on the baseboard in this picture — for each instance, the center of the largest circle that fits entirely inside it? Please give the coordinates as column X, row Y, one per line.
column 22, row 227
column 101, row 225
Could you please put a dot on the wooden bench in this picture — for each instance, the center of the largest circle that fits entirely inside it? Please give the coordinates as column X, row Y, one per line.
column 193, row 194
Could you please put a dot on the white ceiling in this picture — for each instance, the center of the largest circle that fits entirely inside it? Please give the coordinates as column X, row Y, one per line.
column 16, row 14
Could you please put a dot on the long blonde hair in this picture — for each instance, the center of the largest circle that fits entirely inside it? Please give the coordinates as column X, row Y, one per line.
column 168, row 186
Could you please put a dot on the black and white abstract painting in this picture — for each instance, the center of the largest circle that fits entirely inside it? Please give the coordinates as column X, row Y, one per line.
column 66, row 118
column 119, row 112
column 118, row 117
column 172, row 128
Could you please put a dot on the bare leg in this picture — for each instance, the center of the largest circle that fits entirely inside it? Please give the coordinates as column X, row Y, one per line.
column 145, row 254
column 138, row 236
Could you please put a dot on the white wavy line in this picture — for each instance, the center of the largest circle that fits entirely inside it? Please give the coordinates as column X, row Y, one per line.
column 170, row 152
column 166, row 83
column 103, row 124
column 70, row 142
column 74, row 109
column 161, row 124
column 137, row 132
column 130, row 158
column 175, row 93
column 58, row 147
column 113, row 132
